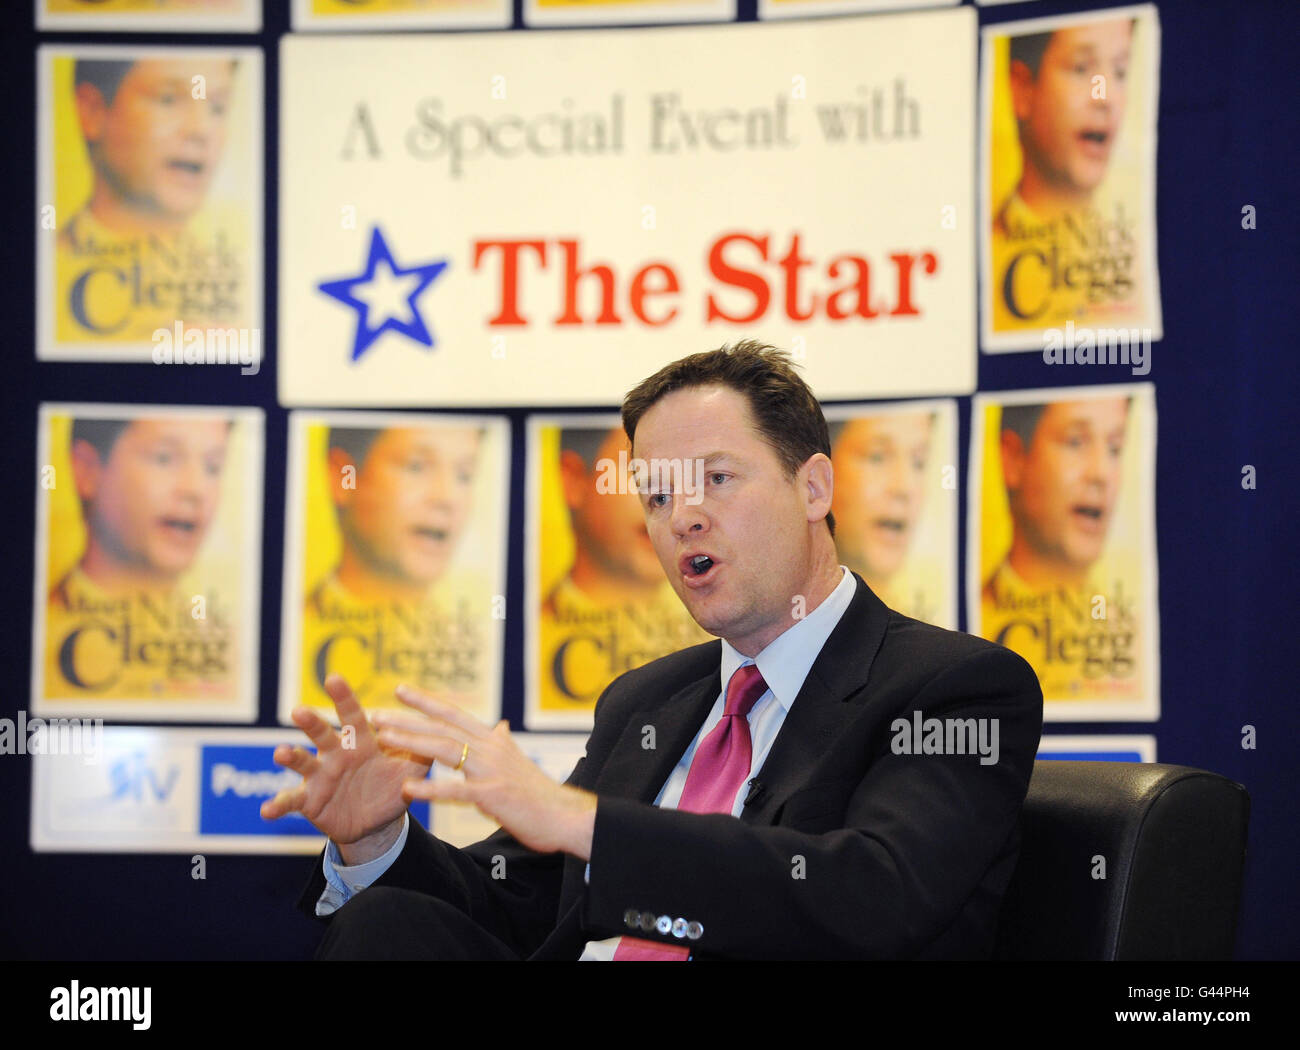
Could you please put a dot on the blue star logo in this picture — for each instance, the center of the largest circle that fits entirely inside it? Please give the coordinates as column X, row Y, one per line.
column 388, row 292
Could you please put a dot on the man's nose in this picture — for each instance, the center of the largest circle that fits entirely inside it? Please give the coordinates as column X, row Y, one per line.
column 687, row 514
column 189, row 479
column 438, row 487
column 199, row 118
column 896, row 480
column 1095, row 466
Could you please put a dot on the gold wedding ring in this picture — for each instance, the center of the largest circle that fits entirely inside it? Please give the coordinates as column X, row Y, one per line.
column 464, row 754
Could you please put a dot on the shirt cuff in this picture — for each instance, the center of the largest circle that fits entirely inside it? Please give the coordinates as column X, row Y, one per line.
column 343, row 881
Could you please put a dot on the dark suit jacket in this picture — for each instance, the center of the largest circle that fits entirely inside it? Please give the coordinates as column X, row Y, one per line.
column 844, row 849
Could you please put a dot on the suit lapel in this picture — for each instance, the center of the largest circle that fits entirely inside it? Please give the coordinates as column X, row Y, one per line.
column 820, row 711
column 637, row 770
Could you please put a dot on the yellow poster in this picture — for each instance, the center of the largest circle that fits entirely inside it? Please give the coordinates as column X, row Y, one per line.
column 614, row 12
column 1061, row 562
column 598, row 601
column 150, row 191
column 148, row 542
column 395, row 549
column 770, row 10
column 1067, row 186
column 895, row 502
column 177, row 16
column 353, row 15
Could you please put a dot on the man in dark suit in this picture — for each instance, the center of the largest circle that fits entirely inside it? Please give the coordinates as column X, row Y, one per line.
column 877, row 765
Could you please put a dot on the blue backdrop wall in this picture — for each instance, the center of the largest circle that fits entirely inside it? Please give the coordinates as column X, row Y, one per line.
column 1226, row 388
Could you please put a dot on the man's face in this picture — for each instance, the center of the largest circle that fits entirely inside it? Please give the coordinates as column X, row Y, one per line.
column 1066, row 131
column 151, row 503
column 157, row 146
column 411, row 500
column 880, row 470
column 752, row 520
column 610, row 526
column 1063, row 489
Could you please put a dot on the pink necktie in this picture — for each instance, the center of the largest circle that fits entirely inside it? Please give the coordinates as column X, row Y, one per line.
column 718, row 769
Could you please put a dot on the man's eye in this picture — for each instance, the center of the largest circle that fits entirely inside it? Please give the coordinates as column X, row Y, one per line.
column 657, row 499
column 715, row 476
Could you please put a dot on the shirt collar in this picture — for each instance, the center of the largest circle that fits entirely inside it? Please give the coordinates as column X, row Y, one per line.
column 787, row 659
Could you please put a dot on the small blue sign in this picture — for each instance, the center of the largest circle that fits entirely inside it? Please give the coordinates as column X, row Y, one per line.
column 1092, row 756
column 235, row 783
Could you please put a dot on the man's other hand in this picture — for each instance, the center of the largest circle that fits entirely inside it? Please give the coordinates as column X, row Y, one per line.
column 352, row 787
column 499, row 778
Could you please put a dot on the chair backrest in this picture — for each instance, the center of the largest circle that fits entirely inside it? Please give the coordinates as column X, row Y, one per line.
column 1172, row 840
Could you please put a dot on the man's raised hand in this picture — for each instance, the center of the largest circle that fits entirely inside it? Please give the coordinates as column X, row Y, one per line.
column 351, row 788
column 498, row 777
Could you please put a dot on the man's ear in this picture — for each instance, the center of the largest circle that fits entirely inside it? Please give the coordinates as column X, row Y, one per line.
column 574, row 481
column 341, row 466
column 819, row 479
column 1022, row 90
column 1013, row 459
column 86, row 469
column 92, row 112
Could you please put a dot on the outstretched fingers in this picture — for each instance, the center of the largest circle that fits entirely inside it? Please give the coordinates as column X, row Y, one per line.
column 318, row 731
column 441, row 711
column 346, row 704
column 290, row 800
column 298, row 759
column 425, row 746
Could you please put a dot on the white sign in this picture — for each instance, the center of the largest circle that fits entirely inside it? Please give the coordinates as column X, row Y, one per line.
column 546, row 218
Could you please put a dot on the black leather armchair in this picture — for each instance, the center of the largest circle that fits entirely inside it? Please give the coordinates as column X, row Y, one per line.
column 1173, row 842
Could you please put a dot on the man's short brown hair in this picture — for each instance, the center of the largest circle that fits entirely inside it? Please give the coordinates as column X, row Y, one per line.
column 787, row 415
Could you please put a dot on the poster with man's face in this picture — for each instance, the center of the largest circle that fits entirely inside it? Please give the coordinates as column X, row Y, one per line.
column 1061, row 562
column 1067, row 187
column 895, row 502
column 395, row 550
column 598, row 600
column 150, row 191
column 147, row 563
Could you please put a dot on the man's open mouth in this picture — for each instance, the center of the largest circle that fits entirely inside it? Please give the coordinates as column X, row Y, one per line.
column 1089, row 516
column 696, row 566
column 700, row 564
column 183, row 526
